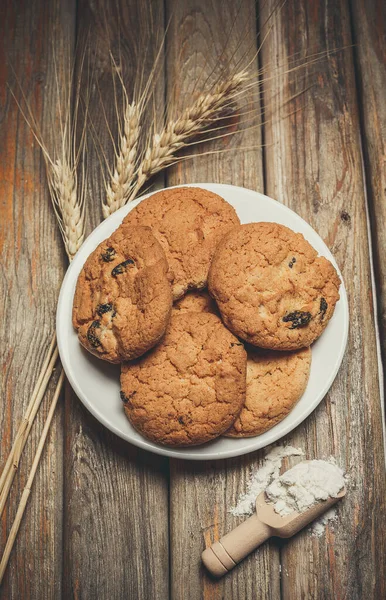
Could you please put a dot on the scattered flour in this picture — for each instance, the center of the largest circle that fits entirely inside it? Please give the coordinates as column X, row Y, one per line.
column 304, row 485
column 330, row 517
column 297, row 489
column 261, row 478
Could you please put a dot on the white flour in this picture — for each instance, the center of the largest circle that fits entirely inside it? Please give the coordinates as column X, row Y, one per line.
column 261, row 478
column 304, row 485
column 270, row 471
column 330, row 517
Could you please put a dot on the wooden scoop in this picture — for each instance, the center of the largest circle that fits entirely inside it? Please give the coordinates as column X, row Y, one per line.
column 220, row 558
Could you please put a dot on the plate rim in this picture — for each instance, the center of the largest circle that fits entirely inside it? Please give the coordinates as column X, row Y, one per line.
column 188, row 453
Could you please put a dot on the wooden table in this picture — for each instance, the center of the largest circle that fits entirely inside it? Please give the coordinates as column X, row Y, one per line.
column 106, row 520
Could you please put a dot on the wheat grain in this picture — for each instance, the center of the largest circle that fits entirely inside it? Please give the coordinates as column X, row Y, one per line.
column 68, row 204
column 67, row 197
column 125, row 161
column 195, row 119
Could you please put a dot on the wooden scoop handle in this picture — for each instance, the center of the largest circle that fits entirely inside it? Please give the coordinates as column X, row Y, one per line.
column 223, row 555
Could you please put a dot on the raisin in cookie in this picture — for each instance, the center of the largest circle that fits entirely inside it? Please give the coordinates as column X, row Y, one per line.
column 275, row 382
column 272, row 288
column 123, row 296
column 189, row 222
column 195, row 301
column 191, row 387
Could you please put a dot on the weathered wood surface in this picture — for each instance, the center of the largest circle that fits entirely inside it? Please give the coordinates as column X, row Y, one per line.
column 104, row 517
column 116, row 496
column 369, row 27
column 314, row 166
column 201, row 494
column 32, row 267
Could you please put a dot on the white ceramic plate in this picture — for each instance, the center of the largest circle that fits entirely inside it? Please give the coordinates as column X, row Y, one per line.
column 96, row 383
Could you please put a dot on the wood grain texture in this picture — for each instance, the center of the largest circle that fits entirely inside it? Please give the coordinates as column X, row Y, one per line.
column 369, row 31
column 313, row 164
column 116, row 496
column 201, row 494
column 31, row 34
column 102, row 519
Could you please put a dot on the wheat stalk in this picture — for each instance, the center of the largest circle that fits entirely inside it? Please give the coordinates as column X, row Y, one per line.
column 68, row 200
column 27, row 488
column 22, row 434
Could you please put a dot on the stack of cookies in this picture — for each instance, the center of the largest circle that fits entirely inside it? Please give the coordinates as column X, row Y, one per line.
column 212, row 321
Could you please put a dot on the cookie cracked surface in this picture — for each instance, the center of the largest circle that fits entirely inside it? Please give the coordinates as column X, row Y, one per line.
column 275, row 382
column 195, row 301
column 189, row 222
column 271, row 287
column 123, row 297
column 191, row 387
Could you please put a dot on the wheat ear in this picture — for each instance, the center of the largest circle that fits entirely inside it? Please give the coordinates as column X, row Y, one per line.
column 68, row 204
column 125, row 160
column 195, row 119
column 126, row 151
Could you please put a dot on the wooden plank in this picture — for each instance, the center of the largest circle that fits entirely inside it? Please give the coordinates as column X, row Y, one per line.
column 369, row 30
column 33, row 264
column 202, row 493
column 313, row 164
column 116, row 496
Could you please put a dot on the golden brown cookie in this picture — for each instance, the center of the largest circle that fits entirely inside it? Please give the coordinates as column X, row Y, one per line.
column 195, row 301
column 123, row 296
column 272, row 288
column 275, row 382
column 189, row 222
column 191, row 387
